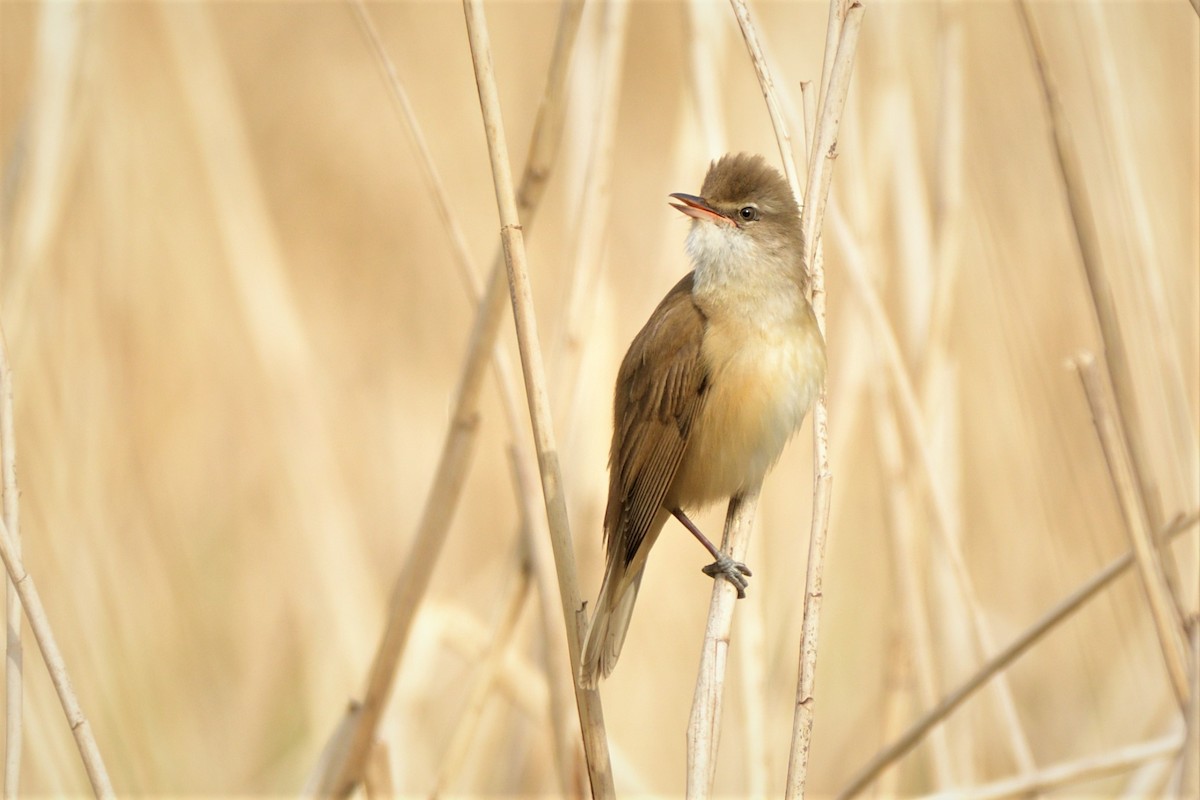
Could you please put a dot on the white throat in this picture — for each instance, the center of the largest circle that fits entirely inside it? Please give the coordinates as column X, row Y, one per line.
column 735, row 274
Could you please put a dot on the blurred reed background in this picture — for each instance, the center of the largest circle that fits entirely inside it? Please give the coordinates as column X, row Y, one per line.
column 236, row 327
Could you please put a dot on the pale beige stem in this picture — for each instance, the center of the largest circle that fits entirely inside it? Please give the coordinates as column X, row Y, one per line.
column 1167, row 414
column 93, row 763
column 820, row 166
column 816, row 197
column 704, row 723
column 1067, row 773
column 1115, row 442
column 833, row 36
column 591, row 717
column 1048, row 621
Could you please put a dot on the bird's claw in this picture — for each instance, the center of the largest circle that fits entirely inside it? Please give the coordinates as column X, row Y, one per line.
column 733, row 571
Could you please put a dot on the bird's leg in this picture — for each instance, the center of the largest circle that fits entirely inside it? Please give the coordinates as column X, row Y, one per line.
column 733, row 571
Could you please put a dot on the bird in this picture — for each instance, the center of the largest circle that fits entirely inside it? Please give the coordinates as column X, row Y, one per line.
column 711, row 389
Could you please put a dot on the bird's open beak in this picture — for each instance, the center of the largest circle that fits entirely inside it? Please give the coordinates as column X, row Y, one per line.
column 698, row 208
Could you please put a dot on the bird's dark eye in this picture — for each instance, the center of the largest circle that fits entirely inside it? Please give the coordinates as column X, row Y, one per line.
column 748, row 213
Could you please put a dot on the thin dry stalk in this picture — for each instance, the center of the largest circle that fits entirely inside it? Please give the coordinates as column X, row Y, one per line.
column 816, row 197
column 1115, row 443
column 344, row 757
column 1071, row 772
column 833, row 37
column 704, row 722
column 93, row 763
column 1166, row 388
column 1104, row 303
column 591, row 717
column 1063, row 610
column 483, row 686
column 833, row 102
column 14, row 654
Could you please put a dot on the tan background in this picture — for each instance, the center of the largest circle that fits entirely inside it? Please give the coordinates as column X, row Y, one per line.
column 233, row 374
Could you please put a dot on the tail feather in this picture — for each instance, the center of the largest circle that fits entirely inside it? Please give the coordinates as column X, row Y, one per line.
column 610, row 623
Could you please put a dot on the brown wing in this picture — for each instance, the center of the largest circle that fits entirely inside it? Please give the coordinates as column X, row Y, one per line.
column 661, row 387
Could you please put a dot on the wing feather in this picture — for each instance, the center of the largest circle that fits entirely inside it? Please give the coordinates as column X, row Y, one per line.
column 661, row 388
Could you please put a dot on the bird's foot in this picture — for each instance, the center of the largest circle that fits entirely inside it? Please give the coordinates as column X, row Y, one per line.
column 733, row 571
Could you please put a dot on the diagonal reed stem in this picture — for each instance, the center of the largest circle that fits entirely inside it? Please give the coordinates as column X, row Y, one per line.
column 43, row 634
column 1121, row 469
column 1048, row 621
column 1057, row 776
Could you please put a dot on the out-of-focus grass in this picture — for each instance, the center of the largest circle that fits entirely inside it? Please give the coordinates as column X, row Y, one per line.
column 183, row 487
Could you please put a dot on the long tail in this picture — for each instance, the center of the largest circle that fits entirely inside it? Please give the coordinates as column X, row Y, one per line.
column 610, row 622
